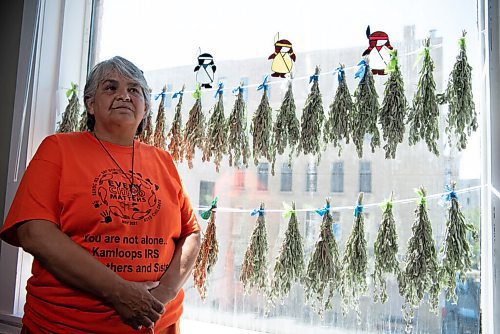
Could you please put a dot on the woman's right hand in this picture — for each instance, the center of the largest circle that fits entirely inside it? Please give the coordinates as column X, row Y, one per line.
column 135, row 304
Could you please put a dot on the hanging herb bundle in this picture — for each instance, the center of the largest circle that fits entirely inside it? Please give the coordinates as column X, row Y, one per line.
column 194, row 133
column 462, row 116
column 337, row 126
column 421, row 271
column 146, row 136
column 286, row 129
column 208, row 254
column 457, row 251
column 159, row 139
column 424, row 114
column 254, row 268
column 354, row 264
column 69, row 121
column 82, row 123
column 216, row 142
column 261, row 127
column 323, row 269
column 238, row 148
column 312, row 120
column 364, row 120
column 386, row 251
column 289, row 265
column 394, row 108
column 175, row 133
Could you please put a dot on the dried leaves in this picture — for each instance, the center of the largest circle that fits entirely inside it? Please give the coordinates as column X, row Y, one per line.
column 364, row 120
column 194, row 133
column 457, row 249
column 312, row 121
column 254, row 268
column 323, row 269
column 420, row 274
column 424, row 114
column 260, row 129
column 69, row 121
column 394, row 109
column 238, row 147
column 216, row 141
column 354, row 264
column 159, row 139
column 146, row 136
column 175, row 134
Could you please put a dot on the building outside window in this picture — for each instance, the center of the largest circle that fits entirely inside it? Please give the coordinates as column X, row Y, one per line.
column 365, row 176
column 263, row 176
column 337, row 179
column 206, row 192
column 286, row 177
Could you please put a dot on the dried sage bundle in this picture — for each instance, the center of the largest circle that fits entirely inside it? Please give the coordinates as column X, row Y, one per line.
column 261, row 128
column 146, row 136
column 312, row 120
column 159, row 139
column 69, row 121
column 289, row 265
column 394, row 108
column 323, row 269
column 208, row 254
column 337, row 125
column 254, row 268
column 354, row 264
column 424, row 114
column 216, row 142
column 364, row 120
column 238, row 147
column 175, row 133
column 286, row 129
column 462, row 116
column 386, row 252
column 458, row 254
column 82, row 123
column 194, row 133
column 420, row 274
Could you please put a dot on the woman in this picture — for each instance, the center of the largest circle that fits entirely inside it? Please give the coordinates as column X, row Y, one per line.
column 106, row 218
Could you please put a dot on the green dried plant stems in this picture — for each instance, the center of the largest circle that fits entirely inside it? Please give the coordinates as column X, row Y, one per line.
column 424, row 113
column 312, row 121
column 69, row 121
column 337, row 126
column 323, row 270
column 207, row 257
column 255, row 263
column 146, row 136
column 420, row 274
column 354, row 264
column 216, row 142
column 289, row 265
column 394, row 109
column 194, row 133
column 175, row 133
column 457, row 251
column 238, row 147
column 386, row 252
column 364, row 120
column 461, row 120
column 159, row 137
column 286, row 129
column 260, row 129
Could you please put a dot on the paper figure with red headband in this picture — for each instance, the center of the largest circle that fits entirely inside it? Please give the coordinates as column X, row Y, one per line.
column 378, row 51
column 283, row 58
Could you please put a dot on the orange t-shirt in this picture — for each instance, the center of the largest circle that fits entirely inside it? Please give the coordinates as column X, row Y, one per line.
column 72, row 182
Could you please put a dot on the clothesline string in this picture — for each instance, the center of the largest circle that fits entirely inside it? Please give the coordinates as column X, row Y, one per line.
column 352, row 207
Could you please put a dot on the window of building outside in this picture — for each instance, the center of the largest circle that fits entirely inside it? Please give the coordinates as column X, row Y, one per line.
column 286, row 177
column 337, row 180
column 365, row 176
column 241, row 48
column 263, row 176
column 312, row 178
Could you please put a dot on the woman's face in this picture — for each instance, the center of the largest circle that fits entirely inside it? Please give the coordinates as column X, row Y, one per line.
column 118, row 102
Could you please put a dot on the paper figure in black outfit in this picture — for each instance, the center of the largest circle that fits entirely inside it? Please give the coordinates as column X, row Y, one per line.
column 205, row 70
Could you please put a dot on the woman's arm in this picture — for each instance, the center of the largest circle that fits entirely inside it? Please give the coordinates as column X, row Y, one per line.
column 181, row 266
column 74, row 266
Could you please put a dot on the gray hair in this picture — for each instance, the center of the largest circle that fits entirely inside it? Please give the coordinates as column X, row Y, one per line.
column 101, row 72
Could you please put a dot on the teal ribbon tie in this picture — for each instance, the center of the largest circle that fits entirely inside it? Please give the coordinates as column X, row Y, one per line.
column 257, row 211
column 360, row 74
column 207, row 213
column 340, row 73
column 323, row 211
column 313, row 77
column 358, row 210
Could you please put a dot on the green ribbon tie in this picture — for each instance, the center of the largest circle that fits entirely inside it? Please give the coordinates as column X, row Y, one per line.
column 197, row 92
column 206, row 214
column 289, row 210
column 72, row 90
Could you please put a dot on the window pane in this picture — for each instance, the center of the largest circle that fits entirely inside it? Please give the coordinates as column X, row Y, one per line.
column 365, row 176
column 286, row 177
column 337, row 180
column 312, row 178
column 262, row 176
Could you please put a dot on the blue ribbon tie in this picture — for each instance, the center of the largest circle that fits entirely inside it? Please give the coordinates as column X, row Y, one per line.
column 179, row 93
column 357, row 210
column 264, row 85
column 340, row 73
column 313, row 77
column 258, row 211
column 323, row 210
column 361, row 71
column 219, row 90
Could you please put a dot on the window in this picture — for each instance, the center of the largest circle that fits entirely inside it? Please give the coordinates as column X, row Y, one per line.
column 312, row 178
column 262, row 176
column 286, row 177
column 337, row 180
column 206, row 193
column 365, row 176
column 239, row 179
